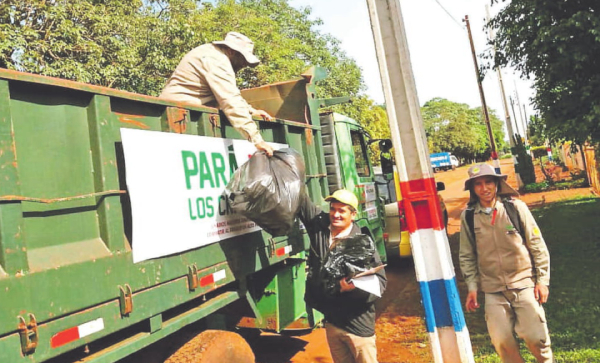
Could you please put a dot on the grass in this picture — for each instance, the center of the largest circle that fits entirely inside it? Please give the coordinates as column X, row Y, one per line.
column 544, row 186
column 572, row 233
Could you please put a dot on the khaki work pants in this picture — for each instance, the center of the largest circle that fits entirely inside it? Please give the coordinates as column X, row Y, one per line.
column 349, row 348
column 517, row 311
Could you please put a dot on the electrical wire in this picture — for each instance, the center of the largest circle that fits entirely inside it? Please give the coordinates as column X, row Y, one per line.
column 450, row 15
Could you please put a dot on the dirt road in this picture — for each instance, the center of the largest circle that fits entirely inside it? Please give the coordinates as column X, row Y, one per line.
column 400, row 328
column 401, row 334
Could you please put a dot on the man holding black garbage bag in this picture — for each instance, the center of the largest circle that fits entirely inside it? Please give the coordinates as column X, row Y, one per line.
column 349, row 311
column 345, row 274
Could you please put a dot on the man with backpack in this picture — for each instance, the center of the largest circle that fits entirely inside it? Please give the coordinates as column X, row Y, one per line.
column 503, row 252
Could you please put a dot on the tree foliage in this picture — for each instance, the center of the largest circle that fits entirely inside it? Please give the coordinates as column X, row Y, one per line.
column 456, row 128
column 135, row 45
column 557, row 43
column 536, row 131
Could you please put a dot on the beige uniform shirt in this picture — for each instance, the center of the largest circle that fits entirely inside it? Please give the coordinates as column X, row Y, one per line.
column 503, row 260
column 205, row 77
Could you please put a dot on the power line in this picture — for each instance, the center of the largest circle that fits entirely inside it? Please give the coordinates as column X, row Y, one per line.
column 450, row 15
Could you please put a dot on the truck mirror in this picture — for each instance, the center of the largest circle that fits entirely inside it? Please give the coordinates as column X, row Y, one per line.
column 387, row 165
column 385, row 145
column 440, row 186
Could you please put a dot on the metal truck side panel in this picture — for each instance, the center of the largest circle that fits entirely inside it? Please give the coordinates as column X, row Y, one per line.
column 65, row 223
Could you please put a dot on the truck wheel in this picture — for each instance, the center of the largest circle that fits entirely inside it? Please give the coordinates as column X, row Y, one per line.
column 436, row 170
column 214, row 346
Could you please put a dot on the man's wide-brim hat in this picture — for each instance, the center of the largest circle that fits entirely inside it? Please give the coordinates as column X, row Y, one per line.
column 479, row 170
column 241, row 44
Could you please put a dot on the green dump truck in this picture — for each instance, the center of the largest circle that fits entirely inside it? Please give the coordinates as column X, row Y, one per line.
column 76, row 281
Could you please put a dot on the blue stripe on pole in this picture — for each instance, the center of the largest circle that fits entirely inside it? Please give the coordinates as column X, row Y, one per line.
column 442, row 305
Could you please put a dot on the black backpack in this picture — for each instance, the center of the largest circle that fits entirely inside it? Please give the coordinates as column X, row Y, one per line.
column 513, row 215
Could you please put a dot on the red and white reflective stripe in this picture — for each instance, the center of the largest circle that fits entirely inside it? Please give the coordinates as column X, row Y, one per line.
column 421, row 205
column 212, row 278
column 283, row 251
column 76, row 332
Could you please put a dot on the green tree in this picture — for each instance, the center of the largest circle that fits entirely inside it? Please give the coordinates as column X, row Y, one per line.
column 456, row 128
column 537, row 131
column 135, row 45
column 92, row 42
column 557, row 44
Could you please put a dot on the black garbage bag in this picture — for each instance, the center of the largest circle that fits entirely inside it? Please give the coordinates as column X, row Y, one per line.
column 268, row 190
column 348, row 257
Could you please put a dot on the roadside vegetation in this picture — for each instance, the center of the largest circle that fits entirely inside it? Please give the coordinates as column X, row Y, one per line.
column 571, row 232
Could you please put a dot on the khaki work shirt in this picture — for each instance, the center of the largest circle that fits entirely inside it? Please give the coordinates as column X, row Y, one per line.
column 205, row 77
column 503, row 260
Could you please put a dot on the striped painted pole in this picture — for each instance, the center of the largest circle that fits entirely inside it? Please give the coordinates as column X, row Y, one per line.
column 445, row 321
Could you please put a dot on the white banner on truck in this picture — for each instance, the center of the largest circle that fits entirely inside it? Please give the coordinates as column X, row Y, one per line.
column 176, row 184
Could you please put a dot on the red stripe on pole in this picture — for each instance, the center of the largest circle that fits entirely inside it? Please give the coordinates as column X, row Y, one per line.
column 207, row 280
column 422, row 206
column 64, row 337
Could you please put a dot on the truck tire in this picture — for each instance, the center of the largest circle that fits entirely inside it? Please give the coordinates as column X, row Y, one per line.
column 436, row 170
column 214, row 346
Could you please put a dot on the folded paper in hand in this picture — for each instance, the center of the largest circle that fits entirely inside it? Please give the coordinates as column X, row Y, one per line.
column 368, row 283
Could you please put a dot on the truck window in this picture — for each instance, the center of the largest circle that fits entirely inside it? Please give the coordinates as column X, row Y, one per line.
column 360, row 154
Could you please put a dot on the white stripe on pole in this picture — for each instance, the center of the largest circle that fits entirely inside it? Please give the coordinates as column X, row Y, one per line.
column 431, row 245
column 436, row 347
column 444, row 318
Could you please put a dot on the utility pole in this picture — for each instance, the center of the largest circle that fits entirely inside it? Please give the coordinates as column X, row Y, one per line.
column 483, row 104
column 523, row 121
column 512, row 105
column 509, row 128
column 445, row 322
column 526, row 121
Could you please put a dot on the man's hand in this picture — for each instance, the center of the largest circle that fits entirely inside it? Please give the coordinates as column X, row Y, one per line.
column 346, row 286
column 263, row 146
column 263, row 114
column 472, row 303
column 541, row 293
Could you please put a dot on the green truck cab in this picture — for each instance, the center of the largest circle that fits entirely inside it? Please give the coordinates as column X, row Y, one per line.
column 69, row 287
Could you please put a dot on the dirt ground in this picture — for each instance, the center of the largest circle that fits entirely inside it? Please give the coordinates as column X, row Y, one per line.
column 401, row 334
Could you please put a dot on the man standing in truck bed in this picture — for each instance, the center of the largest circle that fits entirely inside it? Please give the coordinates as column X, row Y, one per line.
column 350, row 312
column 206, row 77
column 502, row 250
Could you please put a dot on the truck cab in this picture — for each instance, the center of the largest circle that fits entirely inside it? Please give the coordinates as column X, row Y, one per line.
column 346, row 151
column 443, row 161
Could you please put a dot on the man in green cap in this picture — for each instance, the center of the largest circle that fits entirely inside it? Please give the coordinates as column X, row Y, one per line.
column 349, row 312
column 503, row 252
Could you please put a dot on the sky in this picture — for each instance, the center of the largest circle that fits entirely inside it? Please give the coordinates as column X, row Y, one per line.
column 439, row 48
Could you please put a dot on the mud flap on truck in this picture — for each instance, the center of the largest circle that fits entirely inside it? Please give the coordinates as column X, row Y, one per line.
column 279, row 295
